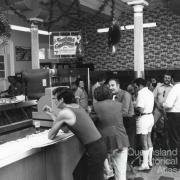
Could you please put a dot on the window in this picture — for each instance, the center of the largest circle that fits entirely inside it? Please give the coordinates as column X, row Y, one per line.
column 2, row 67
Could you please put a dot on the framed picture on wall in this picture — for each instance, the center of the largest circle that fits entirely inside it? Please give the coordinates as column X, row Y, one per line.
column 23, row 53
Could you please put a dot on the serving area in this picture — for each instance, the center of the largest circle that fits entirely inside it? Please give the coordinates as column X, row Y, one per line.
column 36, row 157
column 13, row 111
column 28, row 154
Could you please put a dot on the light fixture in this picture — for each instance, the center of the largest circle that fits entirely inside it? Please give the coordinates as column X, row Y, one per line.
column 102, row 30
column 134, row 2
column 25, row 29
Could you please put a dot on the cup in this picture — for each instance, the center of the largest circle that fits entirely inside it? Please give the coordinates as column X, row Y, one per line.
column 89, row 109
column 37, row 126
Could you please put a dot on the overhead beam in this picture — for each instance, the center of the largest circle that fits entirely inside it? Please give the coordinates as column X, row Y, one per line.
column 95, row 5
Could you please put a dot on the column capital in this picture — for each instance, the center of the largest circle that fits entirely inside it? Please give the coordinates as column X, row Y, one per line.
column 136, row 2
column 37, row 20
column 34, row 27
column 138, row 8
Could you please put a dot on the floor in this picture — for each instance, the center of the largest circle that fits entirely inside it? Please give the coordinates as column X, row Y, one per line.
column 162, row 156
column 158, row 172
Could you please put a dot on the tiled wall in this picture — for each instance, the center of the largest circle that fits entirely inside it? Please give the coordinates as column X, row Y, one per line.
column 161, row 43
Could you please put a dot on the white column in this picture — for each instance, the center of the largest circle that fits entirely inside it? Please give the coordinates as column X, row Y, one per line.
column 138, row 6
column 138, row 41
column 11, row 58
column 35, row 46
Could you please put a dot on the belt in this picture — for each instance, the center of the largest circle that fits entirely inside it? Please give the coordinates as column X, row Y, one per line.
column 145, row 114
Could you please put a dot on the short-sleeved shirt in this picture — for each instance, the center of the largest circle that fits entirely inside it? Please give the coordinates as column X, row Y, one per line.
column 83, row 97
column 145, row 100
column 161, row 92
column 97, row 84
column 173, row 99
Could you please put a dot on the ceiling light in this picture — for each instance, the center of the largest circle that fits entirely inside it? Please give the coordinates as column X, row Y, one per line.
column 102, row 30
column 25, row 29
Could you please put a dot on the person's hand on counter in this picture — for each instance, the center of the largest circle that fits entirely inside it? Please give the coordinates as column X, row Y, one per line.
column 48, row 110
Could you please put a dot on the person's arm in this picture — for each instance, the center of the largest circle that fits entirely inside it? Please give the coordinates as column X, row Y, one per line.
column 77, row 99
column 77, row 95
column 55, row 129
column 126, row 103
column 156, row 102
column 139, row 108
column 95, row 115
column 65, row 116
column 155, row 92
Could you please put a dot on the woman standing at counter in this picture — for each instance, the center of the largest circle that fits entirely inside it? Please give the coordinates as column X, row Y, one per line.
column 111, row 126
column 79, row 122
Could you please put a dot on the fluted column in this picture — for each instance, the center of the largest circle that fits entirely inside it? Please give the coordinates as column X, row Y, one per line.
column 35, row 46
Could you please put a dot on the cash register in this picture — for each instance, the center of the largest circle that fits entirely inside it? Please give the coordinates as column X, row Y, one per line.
column 47, row 99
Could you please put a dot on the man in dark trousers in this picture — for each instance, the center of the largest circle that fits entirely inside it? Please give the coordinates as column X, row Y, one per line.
column 172, row 104
column 80, row 123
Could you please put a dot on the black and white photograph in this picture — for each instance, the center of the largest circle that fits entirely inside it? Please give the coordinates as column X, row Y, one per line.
column 89, row 89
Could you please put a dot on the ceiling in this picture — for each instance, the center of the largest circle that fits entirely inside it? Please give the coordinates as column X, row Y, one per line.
column 62, row 11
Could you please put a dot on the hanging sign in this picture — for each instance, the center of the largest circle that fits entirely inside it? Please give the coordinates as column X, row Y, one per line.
column 66, row 45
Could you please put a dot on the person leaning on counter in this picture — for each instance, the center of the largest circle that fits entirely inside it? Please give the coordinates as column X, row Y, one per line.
column 80, row 123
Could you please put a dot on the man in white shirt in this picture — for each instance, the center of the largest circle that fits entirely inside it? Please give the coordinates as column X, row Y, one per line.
column 172, row 104
column 160, row 94
column 145, row 121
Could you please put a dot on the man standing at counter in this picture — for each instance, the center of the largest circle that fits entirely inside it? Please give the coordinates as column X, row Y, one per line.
column 125, row 98
column 79, row 122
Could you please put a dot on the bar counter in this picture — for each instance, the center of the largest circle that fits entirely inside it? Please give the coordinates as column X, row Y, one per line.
column 33, row 158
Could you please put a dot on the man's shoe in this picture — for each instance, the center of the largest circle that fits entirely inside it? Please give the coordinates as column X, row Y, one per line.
column 108, row 175
column 143, row 168
column 150, row 165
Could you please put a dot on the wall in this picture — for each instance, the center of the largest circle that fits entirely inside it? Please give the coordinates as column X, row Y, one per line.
column 18, row 38
column 3, row 81
column 22, row 39
column 161, row 44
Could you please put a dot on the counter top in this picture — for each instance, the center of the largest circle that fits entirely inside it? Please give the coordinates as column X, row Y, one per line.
column 13, row 151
